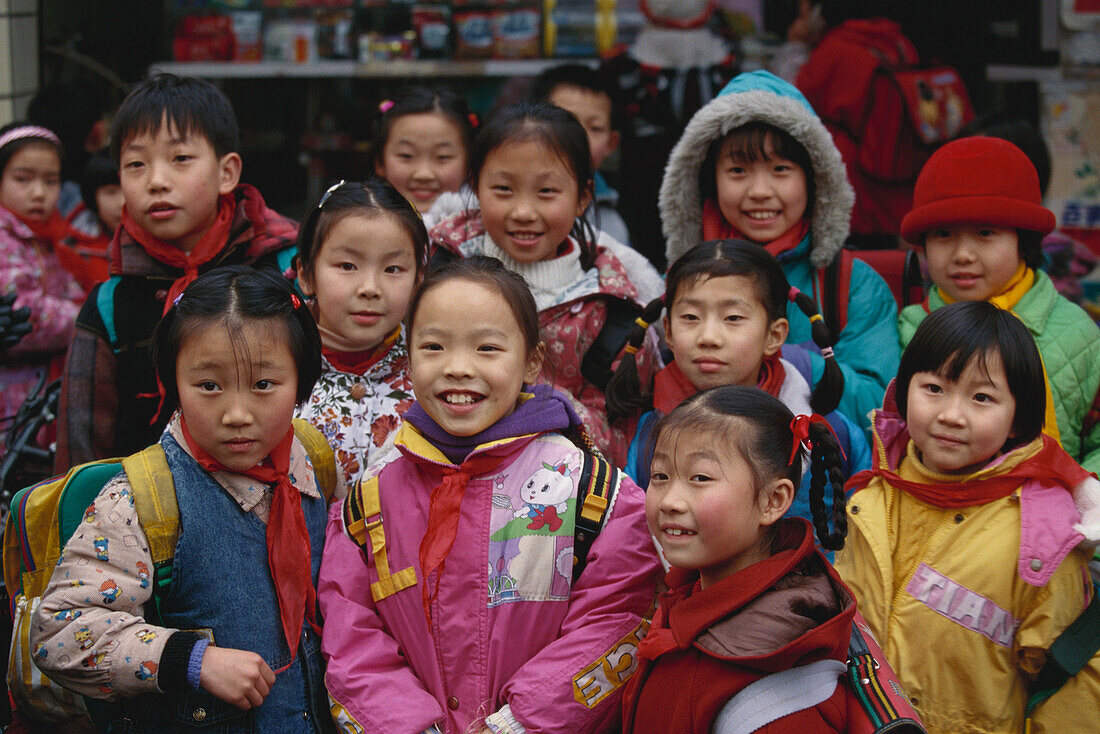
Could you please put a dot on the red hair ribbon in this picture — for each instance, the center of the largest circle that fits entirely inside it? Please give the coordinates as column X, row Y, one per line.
column 472, row 117
column 800, row 427
column 295, row 301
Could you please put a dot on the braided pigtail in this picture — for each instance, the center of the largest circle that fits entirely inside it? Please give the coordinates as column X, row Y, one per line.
column 827, row 392
column 624, row 391
column 825, row 469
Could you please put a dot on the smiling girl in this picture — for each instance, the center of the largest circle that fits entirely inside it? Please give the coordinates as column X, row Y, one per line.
column 30, row 229
column 963, row 535
column 532, row 172
column 361, row 252
column 459, row 609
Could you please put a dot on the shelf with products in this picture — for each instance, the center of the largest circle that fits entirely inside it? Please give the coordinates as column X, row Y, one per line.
column 395, row 69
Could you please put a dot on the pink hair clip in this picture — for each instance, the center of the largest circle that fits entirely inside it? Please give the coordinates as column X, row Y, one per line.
column 386, row 106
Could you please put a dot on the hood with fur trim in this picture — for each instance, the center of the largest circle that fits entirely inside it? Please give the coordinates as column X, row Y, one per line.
column 757, row 96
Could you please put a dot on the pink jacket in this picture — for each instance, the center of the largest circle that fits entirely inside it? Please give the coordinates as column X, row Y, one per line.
column 509, row 631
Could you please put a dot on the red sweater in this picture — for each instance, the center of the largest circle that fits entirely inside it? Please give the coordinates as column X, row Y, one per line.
column 706, row 645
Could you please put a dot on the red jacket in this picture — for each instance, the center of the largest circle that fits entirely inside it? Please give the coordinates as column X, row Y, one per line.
column 706, row 645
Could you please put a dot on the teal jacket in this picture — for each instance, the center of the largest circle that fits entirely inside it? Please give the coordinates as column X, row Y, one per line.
column 867, row 349
column 1069, row 343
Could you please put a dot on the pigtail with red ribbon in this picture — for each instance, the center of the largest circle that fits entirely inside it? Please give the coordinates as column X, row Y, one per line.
column 816, row 435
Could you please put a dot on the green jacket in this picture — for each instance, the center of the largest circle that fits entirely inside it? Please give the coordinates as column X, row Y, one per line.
column 1069, row 342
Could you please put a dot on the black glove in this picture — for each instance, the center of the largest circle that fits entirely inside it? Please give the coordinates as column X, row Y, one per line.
column 14, row 323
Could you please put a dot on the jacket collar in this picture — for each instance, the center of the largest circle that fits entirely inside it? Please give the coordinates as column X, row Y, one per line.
column 1034, row 308
column 412, row 443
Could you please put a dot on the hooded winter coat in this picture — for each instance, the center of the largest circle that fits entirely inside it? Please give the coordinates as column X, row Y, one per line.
column 864, row 348
column 989, row 587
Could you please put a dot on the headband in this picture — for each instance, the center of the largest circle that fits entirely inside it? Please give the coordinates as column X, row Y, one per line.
column 29, row 131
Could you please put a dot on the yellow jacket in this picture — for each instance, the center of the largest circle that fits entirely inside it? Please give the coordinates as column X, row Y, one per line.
column 950, row 605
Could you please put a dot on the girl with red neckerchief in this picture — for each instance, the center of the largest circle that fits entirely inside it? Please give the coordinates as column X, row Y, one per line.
column 30, row 229
column 361, row 253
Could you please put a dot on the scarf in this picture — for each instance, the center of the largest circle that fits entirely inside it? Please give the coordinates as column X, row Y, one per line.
column 542, row 409
column 357, row 363
column 1044, row 459
column 213, row 241
column 715, row 227
column 288, row 549
column 53, row 230
column 1015, row 289
column 672, row 387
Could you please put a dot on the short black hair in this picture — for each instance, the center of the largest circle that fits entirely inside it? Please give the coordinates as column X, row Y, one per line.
column 583, row 77
column 748, row 143
column 190, row 106
column 951, row 336
column 419, row 101
column 235, row 295
column 101, row 170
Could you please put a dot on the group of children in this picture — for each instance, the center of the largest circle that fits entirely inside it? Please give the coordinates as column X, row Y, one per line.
column 472, row 381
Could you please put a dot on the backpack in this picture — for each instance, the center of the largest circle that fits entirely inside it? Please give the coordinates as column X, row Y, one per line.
column 899, row 268
column 44, row 516
column 362, row 513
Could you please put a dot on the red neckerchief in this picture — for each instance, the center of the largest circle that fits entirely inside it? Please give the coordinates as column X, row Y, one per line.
column 715, row 227
column 357, row 363
column 288, row 549
column 212, row 242
column 443, row 512
column 1050, row 463
column 672, row 387
column 51, row 230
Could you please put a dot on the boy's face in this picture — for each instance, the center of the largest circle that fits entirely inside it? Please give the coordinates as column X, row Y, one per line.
column 593, row 110
column 108, row 202
column 171, row 183
column 761, row 199
column 972, row 262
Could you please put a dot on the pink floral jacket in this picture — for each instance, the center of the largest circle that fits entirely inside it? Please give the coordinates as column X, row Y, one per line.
column 570, row 324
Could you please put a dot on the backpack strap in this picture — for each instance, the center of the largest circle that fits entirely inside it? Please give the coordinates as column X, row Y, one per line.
column 833, row 284
column 620, row 321
column 155, row 502
column 362, row 513
column 320, row 454
column 876, row 700
column 105, row 303
column 1069, row 653
column 777, row 695
column 596, row 493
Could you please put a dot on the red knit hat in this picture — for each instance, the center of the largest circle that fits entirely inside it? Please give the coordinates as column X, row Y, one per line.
column 977, row 181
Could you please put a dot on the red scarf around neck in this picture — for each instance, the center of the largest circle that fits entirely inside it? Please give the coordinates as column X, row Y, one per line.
column 357, row 363
column 715, row 227
column 443, row 515
column 213, row 241
column 52, row 230
column 672, row 387
column 288, row 548
column 1050, row 463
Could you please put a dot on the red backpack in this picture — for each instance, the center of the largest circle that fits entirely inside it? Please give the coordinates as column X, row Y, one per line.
column 899, row 268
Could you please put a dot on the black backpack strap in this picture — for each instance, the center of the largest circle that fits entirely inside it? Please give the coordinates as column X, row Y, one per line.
column 596, row 493
column 596, row 365
column 1069, row 653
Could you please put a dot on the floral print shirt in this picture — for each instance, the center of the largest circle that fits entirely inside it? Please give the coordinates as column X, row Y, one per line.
column 357, row 413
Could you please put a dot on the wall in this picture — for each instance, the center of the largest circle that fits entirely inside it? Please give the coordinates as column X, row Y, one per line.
column 18, row 57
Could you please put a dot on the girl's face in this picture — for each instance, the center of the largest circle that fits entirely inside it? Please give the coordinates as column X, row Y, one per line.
column 719, row 331
column 237, row 395
column 31, row 182
column 424, row 156
column 529, row 200
column 363, row 278
column 761, row 199
column 972, row 262
column 702, row 505
column 468, row 357
column 959, row 426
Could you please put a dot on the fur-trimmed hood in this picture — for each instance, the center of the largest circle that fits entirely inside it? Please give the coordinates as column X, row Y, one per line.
column 757, row 96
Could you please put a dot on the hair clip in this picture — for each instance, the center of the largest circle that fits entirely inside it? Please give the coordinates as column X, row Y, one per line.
column 176, row 300
column 385, row 106
column 792, row 293
column 328, row 193
column 473, row 120
column 295, row 301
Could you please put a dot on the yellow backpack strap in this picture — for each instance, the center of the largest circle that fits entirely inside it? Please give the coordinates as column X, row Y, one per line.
column 363, row 522
column 320, row 455
column 155, row 501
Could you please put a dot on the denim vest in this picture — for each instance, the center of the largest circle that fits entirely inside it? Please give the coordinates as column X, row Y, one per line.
column 221, row 583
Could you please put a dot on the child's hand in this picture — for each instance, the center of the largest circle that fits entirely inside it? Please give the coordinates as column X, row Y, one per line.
column 239, row 677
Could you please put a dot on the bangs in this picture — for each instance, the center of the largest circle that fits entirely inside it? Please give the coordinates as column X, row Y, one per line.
column 758, row 141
